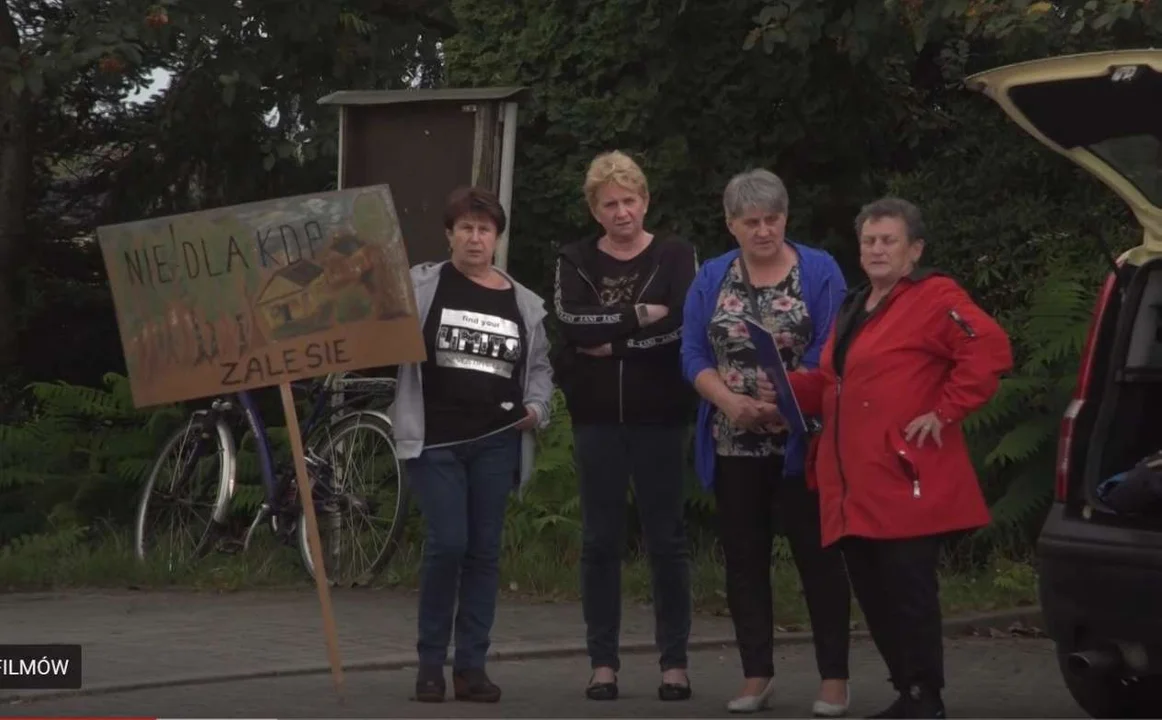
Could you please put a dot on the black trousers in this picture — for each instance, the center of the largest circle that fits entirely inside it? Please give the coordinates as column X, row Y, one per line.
column 751, row 494
column 896, row 584
column 608, row 458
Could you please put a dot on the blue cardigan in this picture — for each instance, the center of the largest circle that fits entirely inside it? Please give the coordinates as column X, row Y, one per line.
column 823, row 289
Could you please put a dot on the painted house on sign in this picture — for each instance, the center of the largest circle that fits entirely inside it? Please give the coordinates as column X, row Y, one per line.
column 295, row 295
column 347, row 261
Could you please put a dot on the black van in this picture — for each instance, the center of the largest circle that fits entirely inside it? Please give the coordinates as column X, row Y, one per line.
column 1101, row 561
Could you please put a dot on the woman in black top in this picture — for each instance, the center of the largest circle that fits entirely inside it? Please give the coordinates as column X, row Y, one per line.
column 463, row 421
column 619, row 299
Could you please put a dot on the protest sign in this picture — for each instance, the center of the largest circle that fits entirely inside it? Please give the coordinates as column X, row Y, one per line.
column 263, row 294
column 256, row 295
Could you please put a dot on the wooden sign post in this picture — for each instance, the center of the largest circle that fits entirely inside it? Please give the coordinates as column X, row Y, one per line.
column 313, row 540
column 263, row 294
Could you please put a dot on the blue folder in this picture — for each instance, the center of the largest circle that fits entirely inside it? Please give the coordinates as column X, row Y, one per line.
column 772, row 363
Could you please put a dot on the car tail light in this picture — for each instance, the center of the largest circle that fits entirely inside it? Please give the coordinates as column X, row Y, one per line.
column 1081, row 391
column 1065, row 447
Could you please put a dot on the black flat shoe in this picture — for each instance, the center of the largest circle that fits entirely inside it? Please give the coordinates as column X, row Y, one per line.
column 671, row 692
column 918, row 702
column 601, row 691
column 891, row 712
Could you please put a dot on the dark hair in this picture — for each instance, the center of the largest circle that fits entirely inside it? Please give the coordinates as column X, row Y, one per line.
column 473, row 200
column 893, row 207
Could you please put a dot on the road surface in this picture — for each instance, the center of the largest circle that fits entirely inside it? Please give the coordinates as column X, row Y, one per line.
column 988, row 678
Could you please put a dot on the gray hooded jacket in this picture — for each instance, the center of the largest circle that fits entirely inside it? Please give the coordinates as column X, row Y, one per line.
column 407, row 411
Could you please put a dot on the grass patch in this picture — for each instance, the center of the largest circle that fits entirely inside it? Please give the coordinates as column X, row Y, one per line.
column 53, row 562
column 63, row 561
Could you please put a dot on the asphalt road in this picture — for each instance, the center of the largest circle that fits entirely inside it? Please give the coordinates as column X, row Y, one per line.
column 987, row 678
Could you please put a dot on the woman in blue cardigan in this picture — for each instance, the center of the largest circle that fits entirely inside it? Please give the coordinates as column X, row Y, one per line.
column 743, row 449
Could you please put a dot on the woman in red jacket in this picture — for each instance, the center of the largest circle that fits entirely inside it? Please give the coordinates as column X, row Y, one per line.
column 909, row 357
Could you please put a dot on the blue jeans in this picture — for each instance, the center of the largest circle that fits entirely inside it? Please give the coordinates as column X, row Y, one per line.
column 462, row 491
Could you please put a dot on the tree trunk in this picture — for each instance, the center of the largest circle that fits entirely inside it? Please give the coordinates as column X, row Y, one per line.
column 15, row 166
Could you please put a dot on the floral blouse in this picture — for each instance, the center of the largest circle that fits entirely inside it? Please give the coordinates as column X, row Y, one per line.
column 784, row 313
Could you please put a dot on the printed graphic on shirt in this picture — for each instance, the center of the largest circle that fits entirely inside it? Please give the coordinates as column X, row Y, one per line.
column 618, row 290
column 476, row 341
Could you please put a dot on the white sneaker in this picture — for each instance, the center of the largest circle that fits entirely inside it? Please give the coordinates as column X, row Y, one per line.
column 753, row 703
column 831, row 710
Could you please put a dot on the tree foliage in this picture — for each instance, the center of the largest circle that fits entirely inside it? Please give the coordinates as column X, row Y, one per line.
column 237, row 122
column 871, row 30
column 654, row 79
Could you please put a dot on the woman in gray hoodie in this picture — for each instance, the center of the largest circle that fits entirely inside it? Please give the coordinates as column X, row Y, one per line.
column 464, row 421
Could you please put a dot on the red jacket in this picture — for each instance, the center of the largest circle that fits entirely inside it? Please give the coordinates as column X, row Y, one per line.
column 926, row 347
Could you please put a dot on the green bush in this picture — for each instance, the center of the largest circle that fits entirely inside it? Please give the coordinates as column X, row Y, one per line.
column 79, row 457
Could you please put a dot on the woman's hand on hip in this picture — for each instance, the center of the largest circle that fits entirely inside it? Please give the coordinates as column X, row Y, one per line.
column 927, row 425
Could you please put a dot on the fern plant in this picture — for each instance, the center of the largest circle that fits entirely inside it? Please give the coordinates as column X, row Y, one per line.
column 1014, row 437
column 548, row 513
column 81, row 454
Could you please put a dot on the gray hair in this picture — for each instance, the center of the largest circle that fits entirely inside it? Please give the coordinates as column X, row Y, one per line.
column 893, row 207
column 756, row 189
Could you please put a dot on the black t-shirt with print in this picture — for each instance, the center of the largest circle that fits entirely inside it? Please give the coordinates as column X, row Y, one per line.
column 620, row 281
column 476, row 353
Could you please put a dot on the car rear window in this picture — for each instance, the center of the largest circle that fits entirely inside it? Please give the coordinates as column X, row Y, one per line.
column 1117, row 117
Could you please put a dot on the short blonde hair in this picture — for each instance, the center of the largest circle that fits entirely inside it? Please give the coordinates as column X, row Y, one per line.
column 615, row 167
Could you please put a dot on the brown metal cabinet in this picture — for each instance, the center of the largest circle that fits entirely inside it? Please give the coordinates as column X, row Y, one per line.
column 423, row 144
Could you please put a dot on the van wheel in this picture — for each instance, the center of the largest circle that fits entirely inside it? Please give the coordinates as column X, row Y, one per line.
column 1107, row 696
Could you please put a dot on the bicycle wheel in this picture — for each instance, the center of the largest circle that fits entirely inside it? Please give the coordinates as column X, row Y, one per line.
column 360, row 497
column 197, row 485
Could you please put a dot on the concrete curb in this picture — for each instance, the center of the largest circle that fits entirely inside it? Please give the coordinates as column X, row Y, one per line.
column 1003, row 619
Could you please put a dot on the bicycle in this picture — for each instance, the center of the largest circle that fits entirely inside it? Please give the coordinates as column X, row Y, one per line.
column 328, row 438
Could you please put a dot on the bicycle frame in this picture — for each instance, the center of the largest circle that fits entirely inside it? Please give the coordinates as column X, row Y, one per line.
column 214, row 426
column 262, row 442
column 319, row 410
column 215, row 421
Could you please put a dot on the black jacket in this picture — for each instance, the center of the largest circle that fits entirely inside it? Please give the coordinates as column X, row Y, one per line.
column 641, row 383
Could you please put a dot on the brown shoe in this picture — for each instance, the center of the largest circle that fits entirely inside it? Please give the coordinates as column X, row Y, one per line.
column 473, row 685
column 430, row 686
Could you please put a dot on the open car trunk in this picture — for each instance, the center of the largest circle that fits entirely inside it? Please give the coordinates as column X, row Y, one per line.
column 1103, row 111
column 1127, row 398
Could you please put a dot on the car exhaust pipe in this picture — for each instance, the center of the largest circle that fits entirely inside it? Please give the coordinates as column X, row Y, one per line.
column 1126, row 660
column 1090, row 662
